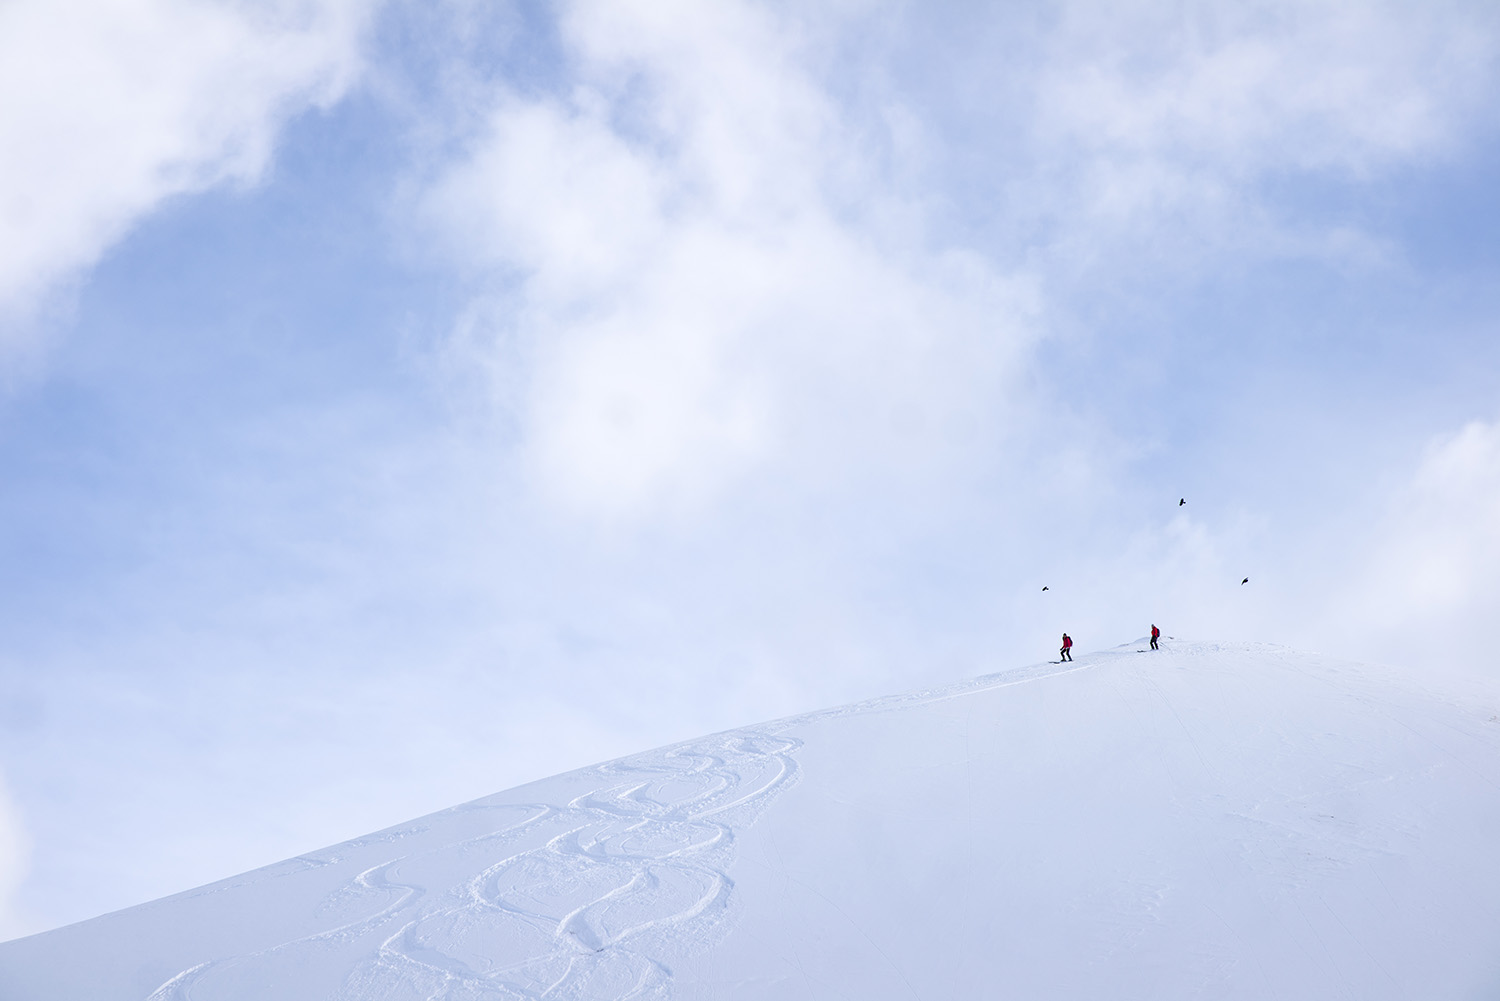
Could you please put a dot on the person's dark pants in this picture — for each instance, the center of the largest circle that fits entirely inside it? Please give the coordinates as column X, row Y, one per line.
column 1067, row 654
column 1153, row 642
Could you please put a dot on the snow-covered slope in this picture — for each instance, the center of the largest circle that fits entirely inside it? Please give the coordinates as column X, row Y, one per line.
column 1204, row 821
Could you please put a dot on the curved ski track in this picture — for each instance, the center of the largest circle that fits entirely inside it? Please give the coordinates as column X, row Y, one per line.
column 584, row 900
column 568, row 901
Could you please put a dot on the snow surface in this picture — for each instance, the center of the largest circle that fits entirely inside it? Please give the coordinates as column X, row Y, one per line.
column 1207, row 821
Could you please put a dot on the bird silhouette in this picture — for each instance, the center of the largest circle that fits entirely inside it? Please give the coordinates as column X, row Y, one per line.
column 1182, row 502
column 1046, row 588
column 1245, row 581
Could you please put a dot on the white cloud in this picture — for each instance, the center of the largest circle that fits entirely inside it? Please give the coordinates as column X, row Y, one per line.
column 704, row 265
column 1158, row 123
column 112, row 106
column 1289, row 84
column 1434, row 571
column 706, row 286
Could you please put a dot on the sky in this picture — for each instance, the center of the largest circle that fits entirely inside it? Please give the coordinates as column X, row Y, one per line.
column 403, row 401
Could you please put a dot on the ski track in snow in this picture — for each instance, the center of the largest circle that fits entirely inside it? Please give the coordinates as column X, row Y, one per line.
column 629, row 870
column 584, row 900
column 569, row 901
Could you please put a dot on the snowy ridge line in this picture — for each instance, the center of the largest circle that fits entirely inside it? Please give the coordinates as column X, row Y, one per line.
column 574, row 900
column 1236, row 820
column 1021, row 676
column 928, row 696
column 583, row 899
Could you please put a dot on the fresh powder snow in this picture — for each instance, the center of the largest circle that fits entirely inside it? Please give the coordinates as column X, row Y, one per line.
column 1209, row 820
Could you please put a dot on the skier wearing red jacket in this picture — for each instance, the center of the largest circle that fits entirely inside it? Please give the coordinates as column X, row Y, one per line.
column 1067, row 647
column 1155, row 635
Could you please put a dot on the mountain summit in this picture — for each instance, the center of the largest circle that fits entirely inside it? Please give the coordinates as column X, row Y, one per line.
column 1227, row 821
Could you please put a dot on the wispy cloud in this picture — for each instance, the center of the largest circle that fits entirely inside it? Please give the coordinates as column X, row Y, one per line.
column 116, row 105
column 701, row 276
column 1175, row 126
column 1432, row 571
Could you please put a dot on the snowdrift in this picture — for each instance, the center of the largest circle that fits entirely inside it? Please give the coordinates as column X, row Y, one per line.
column 1204, row 821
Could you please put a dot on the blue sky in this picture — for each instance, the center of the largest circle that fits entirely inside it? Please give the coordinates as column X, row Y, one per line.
column 401, row 401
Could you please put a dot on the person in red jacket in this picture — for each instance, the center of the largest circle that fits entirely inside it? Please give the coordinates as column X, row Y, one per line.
column 1067, row 647
column 1155, row 635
